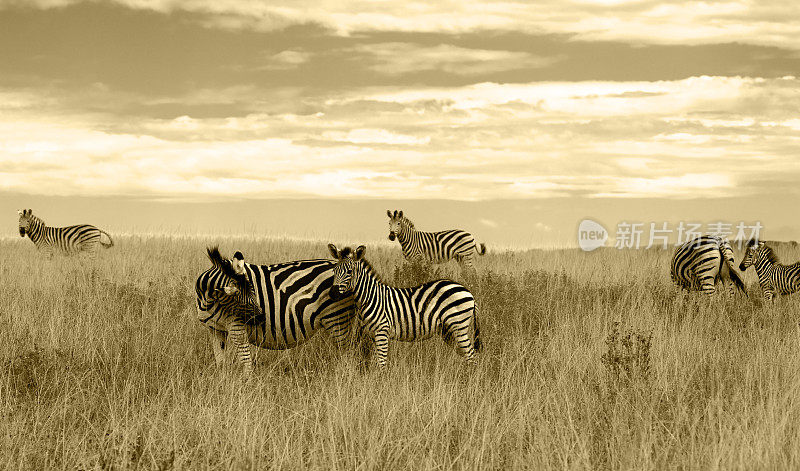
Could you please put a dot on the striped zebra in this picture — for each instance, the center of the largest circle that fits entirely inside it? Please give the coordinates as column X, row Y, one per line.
column 407, row 314
column 435, row 247
column 773, row 276
column 68, row 240
column 699, row 263
column 290, row 302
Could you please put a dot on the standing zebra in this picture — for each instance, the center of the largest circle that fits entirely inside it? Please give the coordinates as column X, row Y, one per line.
column 699, row 263
column 290, row 302
column 774, row 277
column 437, row 307
column 435, row 247
column 69, row 240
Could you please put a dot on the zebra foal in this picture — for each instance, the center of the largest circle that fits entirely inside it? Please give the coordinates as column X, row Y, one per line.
column 434, row 247
column 438, row 307
column 68, row 240
column 773, row 276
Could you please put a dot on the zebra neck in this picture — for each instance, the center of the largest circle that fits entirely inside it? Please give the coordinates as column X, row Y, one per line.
column 36, row 229
column 764, row 268
column 366, row 281
column 405, row 236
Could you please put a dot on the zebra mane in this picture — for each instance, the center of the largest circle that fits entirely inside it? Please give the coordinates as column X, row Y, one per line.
column 770, row 254
column 371, row 270
column 407, row 222
column 347, row 252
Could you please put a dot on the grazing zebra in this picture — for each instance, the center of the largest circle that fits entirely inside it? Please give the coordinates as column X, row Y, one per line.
column 407, row 314
column 69, row 240
column 774, row 277
column 699, row 263
column 435, row 247
column 290, row 302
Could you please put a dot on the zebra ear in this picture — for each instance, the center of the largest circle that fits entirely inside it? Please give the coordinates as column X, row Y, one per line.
column 389, row 213
column 360, row 252
column 19, row 212
column 238, row 264
column 334, row 252
column 400, row 214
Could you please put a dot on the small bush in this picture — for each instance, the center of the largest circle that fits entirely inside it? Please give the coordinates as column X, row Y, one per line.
column 628, row 356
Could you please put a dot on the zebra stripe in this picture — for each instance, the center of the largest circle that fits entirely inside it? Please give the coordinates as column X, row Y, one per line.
column 291, row 302
column 407, row 314
column 68, row 240
column 773, row 277
column 435, row 247
column 699, row 263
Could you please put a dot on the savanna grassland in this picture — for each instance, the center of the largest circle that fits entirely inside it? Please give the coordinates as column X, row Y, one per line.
column 592, row 361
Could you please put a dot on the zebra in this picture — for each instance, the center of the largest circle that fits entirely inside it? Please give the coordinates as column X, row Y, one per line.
column 290, row 302
column 407, row 314
column 773, row 277
column 699, row 263
column 435, row 247
column 68, row 240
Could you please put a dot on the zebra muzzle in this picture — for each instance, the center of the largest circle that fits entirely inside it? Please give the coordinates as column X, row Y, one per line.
column 22, row 232
column 336, row 293
column 391, row 236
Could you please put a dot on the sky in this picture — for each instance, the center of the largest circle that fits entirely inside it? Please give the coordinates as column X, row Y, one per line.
column 510, row 119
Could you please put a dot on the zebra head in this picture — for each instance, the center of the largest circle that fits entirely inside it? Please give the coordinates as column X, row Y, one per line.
column 229, row 286
column 24, row 221
column 346, row 261
column 752, row 249
column 394, row 223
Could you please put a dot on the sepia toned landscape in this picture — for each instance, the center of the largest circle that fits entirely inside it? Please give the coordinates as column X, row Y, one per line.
column 592, row 360
column 563, row 235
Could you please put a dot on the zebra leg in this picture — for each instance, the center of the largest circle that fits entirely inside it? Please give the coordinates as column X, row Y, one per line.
column 381, row 347
column 463, row 340
column 467, row 263
column 449, row 337
column 707, row 285
column 731, row 287
column 769, row 295
column 237, row 335
column 218, row 340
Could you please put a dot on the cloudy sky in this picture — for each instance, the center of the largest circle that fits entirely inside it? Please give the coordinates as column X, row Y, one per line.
column 578, row 107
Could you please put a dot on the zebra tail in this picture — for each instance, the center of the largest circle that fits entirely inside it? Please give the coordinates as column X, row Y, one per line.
column 737, row 280
column 478, row 344
column 480, row 248
column 110, row 240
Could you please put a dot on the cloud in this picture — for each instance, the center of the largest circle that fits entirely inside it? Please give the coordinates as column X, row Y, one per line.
column 374, row 136
column 403, row 58
column 703, row 136
column 689, row 22
column 287, row 59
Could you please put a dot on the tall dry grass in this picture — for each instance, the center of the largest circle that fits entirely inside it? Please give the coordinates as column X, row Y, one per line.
column 104, row 366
